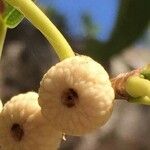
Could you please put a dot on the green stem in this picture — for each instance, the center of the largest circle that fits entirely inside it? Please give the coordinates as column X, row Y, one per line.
column 3, row 30
column 40, row 21
column 140, row 100
column 137, row 87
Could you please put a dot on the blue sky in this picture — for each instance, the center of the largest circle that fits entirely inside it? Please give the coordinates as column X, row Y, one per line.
column 103, row 13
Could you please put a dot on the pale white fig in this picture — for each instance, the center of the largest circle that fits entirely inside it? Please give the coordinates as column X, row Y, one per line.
column 22, row 126
column 1, row 105
column 76, row 95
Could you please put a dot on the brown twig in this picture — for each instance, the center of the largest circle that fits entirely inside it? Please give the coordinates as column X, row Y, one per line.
column 118, row 84
column 2, row 6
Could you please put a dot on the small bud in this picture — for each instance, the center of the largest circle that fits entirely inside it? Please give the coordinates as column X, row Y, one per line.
column 76, row 95
column 22, row 126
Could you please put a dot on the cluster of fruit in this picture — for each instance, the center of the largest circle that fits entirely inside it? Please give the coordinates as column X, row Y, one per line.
column 75, row 98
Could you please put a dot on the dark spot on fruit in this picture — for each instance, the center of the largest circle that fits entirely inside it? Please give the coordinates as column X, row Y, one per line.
column 69, row 98
column 17, row 132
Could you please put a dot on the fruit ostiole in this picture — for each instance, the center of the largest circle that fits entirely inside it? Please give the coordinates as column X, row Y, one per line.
column 76, row 96
column 22, row 126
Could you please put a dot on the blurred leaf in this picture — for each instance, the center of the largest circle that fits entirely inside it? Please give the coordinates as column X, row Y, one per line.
column 133, row 19
column 11, row 16
column 91, row 30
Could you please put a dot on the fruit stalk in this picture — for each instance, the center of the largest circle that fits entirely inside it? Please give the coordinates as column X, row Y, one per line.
column 119, row 82
column 41, row 22
column 133, row 86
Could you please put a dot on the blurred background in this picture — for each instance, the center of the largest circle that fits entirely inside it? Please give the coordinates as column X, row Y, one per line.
column 116, row 33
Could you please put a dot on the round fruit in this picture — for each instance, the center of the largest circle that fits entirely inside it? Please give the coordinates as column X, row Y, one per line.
column 76, row 95
column 22, row 126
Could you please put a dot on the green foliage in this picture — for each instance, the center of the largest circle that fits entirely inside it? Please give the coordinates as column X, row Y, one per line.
column 91, row 30
column 133, row 18
column 11, row 16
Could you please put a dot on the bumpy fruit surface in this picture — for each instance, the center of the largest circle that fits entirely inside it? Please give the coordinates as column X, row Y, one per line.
column 76, row 95
column 22, row 126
